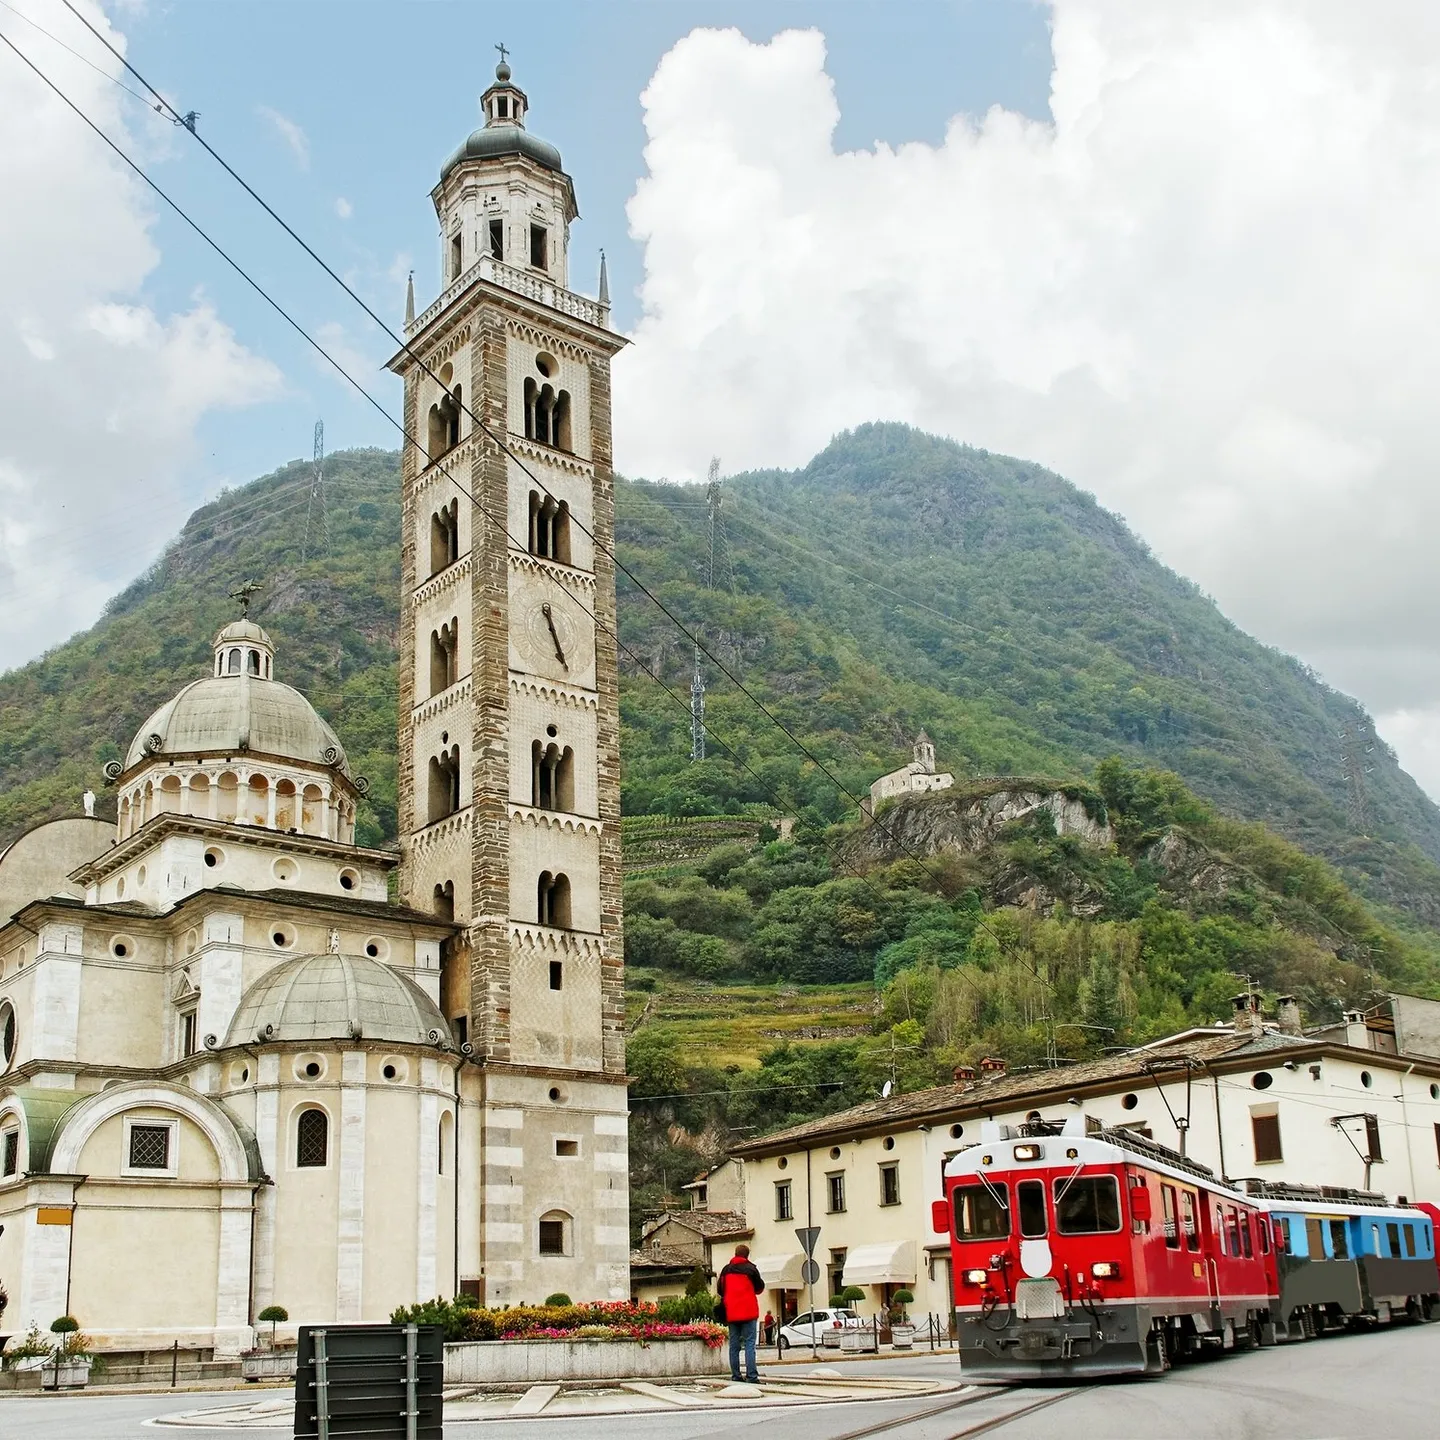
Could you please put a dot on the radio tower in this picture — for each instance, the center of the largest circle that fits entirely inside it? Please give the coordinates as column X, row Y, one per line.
column 317, row 518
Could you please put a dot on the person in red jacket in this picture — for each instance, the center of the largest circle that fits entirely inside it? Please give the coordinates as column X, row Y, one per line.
column 739, row 1287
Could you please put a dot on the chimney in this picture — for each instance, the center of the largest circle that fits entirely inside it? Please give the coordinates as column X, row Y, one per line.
column 1355, row 1032
column 1248, row 1018
column 992, row 1065
column 963, row 1073
column 1289, row 1013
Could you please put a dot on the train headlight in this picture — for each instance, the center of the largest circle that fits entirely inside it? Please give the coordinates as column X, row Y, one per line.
column 1028, row 1152
column 976, row 1277
column 1105, row 1270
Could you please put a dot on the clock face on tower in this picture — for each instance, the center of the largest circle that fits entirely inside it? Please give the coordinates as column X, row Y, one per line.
column 551, row 632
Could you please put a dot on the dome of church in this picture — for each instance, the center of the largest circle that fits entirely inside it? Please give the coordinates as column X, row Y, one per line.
column 491, row 141
column 237, row 709
column 336, row 997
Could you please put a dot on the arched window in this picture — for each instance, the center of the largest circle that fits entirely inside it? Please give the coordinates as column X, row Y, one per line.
column 444, row 537
column 232, row 662
column 560, row 422
column 312, row 1139
column 444, row 902
column 254, row 662
column 444, row 656
column 445, row 1158
column 554, row 1233
column 549, row 527
column 444, row 784
column 552, row 900
column 552, row 777
column 444, row 425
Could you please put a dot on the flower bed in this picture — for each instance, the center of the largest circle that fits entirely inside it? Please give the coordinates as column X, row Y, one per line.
column 600, row 1320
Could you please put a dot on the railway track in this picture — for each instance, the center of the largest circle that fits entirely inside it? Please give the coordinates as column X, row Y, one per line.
column 981, row 1427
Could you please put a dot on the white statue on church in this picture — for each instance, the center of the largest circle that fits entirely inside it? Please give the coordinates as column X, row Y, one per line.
column 333, row 945
column 88, row 800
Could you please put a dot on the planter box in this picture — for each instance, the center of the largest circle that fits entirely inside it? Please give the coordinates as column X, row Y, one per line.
column 268, row 1365
column 902, row 1337
column 68, row 1375
column 858, row 1340
column 529, row 1362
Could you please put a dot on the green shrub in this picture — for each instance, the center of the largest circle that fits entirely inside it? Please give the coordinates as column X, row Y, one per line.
column 698, row 1283
column 558, row 1298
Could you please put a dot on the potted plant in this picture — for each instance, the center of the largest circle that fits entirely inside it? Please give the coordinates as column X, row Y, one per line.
column 902, row 1332
column 68, row 1367
column 266, row 1362
column 855, row 1337
column 31, row 1353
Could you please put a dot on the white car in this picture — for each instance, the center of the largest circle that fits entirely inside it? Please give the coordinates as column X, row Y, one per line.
column 823, row 1326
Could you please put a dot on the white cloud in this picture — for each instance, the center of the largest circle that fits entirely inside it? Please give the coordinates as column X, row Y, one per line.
column 343, row 208
column 1205, row 292
column 102, row 395
column 289, row 132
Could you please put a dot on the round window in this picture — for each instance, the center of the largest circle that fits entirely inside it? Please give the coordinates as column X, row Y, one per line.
column 309, row 1067
column 7, row 1034
column 889, row 1142
column 1366, row 1079
column 1262, row 1079
column 956, row 1131
column 556, row 1094
column 122, row 946
column 1129, row 1102
column 282, row 937
column 377, row 948
column 285, row 869
column 140, row 875
column 214, row 857
column 1435, row 1092
column 349, row 880
column 782, row 1163
column 834, row 1152
column 392, row 1068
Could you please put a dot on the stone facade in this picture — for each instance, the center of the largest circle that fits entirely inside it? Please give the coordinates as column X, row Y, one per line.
column 509, row 781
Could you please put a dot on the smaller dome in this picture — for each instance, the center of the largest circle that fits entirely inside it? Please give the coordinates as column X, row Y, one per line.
column 243, row 632
column 502, row 72
column 492, row 141
column 336, row 997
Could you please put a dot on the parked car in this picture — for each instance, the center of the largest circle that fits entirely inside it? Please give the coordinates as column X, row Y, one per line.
column 823, row 1326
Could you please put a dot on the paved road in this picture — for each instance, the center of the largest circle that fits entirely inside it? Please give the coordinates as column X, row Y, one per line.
column 1382, row 1386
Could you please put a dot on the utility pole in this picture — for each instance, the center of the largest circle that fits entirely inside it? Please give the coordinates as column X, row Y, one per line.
column 715, row 531
column 317, row 519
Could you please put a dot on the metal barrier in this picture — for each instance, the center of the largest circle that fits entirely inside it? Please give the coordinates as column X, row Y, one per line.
column 384, row 1382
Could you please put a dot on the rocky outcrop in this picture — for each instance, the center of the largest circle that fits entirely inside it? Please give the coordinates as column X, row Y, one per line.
column 969, row 819
column 1188, row 866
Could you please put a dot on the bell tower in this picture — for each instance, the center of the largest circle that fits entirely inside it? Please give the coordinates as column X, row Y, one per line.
column 509, row 777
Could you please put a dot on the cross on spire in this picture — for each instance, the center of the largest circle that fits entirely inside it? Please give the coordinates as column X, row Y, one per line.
column 244, row 593
column 504, row 54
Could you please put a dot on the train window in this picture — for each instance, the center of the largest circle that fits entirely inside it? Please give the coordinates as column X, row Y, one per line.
column 1232, row 1231
column 1282, row 1234
column 1262, row 1234
column 1410, row 1241
column 1375, row 1240
column 1031, row 1197
column 982, row 1212
column 1340, row 1249
column 1187, row 1220
column 1314, row 1239
column 1087, row 1205
column 1172, row 1222
column 1392, row 1234
column 1220, row 1229
column 1245, row 1242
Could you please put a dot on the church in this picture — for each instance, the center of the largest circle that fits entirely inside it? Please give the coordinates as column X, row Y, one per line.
column 246, row 1062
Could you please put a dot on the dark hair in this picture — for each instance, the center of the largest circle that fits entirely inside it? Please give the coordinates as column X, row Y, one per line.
column 743, row 1251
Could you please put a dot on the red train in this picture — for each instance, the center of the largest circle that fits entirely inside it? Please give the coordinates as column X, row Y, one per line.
column 1079, row 1252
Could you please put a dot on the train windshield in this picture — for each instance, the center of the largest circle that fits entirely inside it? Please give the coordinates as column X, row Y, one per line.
column 1087, row 1205
column 982, row 1212
column 1031, row 1197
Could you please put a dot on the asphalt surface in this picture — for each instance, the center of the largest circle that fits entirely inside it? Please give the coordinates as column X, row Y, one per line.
column 1380, row 1386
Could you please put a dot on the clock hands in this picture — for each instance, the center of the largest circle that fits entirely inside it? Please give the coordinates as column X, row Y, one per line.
column 559, row 649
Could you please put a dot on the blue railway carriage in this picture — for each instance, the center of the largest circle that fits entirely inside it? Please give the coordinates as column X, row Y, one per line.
column 1348, row 1257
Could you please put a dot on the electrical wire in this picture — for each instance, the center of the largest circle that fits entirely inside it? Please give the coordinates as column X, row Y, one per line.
column 98, row 69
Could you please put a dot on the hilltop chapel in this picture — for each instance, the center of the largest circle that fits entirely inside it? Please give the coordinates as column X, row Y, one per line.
column 233, row 1072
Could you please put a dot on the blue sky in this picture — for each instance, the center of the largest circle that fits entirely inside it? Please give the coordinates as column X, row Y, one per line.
column 382, row 92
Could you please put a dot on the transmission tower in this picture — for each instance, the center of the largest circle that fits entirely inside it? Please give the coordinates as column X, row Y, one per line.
column 719, row 551
column 317, row 518
column 1356, row 743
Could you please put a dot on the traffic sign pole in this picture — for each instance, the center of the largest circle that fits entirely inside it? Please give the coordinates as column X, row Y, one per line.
column 810, row 1273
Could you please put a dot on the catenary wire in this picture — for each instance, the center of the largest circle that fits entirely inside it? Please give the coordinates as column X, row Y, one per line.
column 98, row 69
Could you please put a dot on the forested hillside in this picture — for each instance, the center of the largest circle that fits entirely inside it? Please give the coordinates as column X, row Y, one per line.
column 897, row 581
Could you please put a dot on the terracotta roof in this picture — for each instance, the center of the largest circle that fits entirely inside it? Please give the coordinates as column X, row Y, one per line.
column 712, row 1224
column 988, row 1094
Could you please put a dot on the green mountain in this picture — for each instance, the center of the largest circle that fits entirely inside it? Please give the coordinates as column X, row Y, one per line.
column 896, row 581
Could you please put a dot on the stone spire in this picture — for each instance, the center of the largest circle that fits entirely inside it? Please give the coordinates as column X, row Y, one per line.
column 604, row 281
column 410, row 299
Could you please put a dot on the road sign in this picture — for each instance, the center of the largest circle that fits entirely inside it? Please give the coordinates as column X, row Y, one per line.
column 810, row 1271
column 807, row 1235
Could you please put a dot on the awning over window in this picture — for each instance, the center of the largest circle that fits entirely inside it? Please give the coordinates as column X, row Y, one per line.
column 780, row 1272
column 892, row 1264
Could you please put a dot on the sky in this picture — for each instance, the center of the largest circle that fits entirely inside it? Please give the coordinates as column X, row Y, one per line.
column 1183, row 255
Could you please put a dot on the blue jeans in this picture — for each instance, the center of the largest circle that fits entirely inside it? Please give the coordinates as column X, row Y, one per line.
column 742, row 1332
